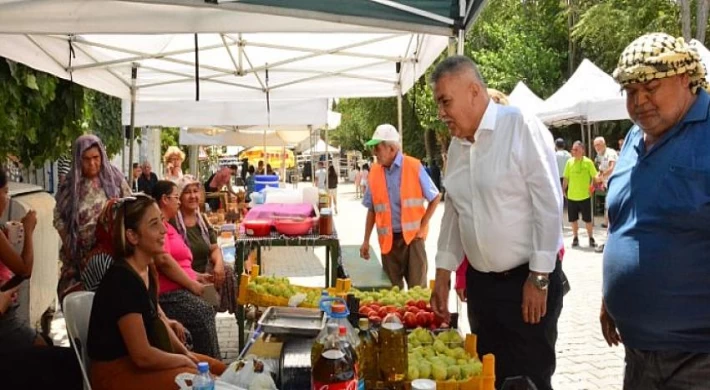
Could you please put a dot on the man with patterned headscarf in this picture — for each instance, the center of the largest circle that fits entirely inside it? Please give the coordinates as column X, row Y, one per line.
column 656, row 284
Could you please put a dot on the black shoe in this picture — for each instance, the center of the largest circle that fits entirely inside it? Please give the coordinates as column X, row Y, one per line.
column 599, row 249
column 592, row 243
column 575, row 242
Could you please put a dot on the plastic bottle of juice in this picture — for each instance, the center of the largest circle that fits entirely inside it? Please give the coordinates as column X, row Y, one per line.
column 369, row 373
column 334, row 368
column 392, row 359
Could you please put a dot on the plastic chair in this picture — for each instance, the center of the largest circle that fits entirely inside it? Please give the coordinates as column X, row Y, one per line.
column 77, row 311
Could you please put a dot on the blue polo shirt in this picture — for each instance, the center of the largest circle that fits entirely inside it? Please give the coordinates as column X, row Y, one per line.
column 393, row 177
column 657, row 258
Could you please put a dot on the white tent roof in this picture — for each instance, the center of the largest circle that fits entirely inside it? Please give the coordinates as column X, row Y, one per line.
column 302, row 113
column 590, row 95
column 524, row 98
column 96, row 43
column 320, row 148
column 231, row 136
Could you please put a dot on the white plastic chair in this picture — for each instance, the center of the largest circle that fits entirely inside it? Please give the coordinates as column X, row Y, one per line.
column 77, row 311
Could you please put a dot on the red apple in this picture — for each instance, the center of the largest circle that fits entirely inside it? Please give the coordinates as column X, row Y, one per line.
column 365, row 310
column 375, row 320
column 422, row 304
column 411, row 302
column 382, row 312
column 401, row 311
column 410, row 320
column 391, row 309
column 374, row 306
column 413, row 309
column 422, row 319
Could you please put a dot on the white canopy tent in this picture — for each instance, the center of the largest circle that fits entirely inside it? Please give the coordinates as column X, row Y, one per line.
column 149, row 50
column 239, row 137
column 321, row 147
column 524, row 98
column 589, row 96
column 186, row 113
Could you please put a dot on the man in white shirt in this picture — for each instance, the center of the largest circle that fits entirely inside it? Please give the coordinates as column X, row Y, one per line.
column 503, row 213
column 321, row 177
column 605, row 160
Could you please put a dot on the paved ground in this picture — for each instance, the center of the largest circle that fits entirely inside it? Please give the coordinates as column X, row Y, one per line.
column 584, row 360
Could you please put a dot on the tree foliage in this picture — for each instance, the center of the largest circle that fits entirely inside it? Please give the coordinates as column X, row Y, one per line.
column 41, row 115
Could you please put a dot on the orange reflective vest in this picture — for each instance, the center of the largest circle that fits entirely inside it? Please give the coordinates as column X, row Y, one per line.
column 411, row 202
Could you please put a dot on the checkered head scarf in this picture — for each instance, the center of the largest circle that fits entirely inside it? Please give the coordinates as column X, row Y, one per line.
column 656, row 56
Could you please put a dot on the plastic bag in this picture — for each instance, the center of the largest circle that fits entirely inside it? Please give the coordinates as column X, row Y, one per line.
column 241, row 373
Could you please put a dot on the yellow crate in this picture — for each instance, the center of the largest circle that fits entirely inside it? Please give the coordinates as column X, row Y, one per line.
column 246, row 296
column 487, row 379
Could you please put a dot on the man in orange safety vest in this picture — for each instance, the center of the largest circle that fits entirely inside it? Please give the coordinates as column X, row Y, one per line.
column 396, row 198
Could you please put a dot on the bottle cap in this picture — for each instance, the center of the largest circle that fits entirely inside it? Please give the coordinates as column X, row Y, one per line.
column 337, row 308
column 363, row 323
column 203, row 367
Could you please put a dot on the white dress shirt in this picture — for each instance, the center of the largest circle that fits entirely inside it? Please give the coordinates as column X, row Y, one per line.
column 504, row 202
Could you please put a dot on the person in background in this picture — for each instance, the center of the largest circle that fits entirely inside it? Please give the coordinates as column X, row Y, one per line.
column 244, row 170
column 269, row 170
column 219, row 180
column 89, row 184
column 129, row 343
column 321, row 177
column 13, row 333
column 147, row 179
column 605, row 161
column 579, row 176
column 136, row 173
column 396, row 199
column 22, row 348
column 562, row 156
column 260, row 169
column 503, row 212
column 358, row 182
column 63, row 167
column 250, row 182
column 173, row 159
column 201, row 237
column 333, row 187
column 621, row 144
column 180, row 287
column 365, row 172
column 655, row 276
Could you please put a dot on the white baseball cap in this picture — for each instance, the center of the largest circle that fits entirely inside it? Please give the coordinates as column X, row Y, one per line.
column 384, row 132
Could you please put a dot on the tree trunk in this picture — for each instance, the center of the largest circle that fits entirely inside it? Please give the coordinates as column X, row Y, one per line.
column 685, row 19
column 427, row 145
column 702, row 21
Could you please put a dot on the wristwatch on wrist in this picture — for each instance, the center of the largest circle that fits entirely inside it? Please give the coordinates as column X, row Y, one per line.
column 540, row 281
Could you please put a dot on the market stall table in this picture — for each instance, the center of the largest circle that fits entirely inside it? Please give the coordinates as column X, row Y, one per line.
column 244, row 243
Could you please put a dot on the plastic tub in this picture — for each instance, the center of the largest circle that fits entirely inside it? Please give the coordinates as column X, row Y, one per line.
column 258, row 228
column 293, row 227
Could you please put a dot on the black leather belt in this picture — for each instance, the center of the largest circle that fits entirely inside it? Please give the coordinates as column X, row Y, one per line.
column 397, row 235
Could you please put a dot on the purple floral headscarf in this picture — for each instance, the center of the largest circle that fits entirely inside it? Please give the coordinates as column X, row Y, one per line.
column 68, row 194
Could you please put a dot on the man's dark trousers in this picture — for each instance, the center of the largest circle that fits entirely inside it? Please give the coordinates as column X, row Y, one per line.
column 495, row 301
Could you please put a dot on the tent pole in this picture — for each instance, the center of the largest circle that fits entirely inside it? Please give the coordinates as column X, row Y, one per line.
column 327, row 167
column 313, row 161
column 194, row 158
column 461, row 40
column 132, row 131
column 399, row 116
column 589, row 138
column 452, row 47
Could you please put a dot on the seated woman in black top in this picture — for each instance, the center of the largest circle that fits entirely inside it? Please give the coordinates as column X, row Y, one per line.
column 129, row 344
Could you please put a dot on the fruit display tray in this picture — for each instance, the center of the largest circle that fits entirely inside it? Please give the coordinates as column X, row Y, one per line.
column 292, row 321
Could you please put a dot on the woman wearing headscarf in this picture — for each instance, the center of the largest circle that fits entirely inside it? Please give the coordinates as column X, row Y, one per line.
column 91, row 182
column 202, row 240
column 180, row 287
